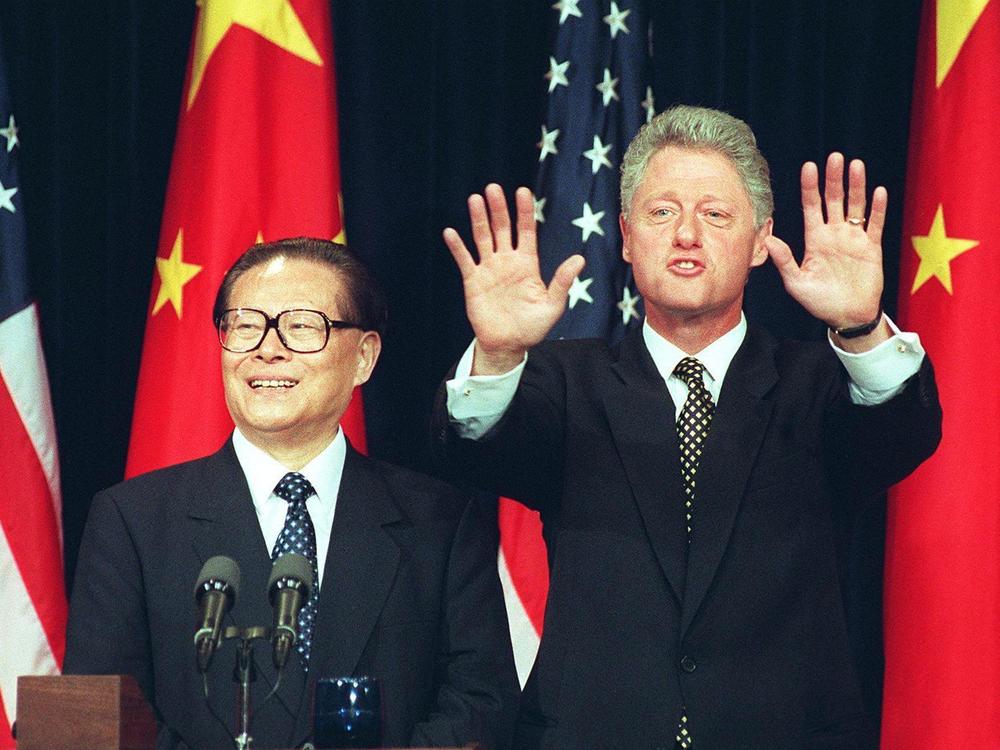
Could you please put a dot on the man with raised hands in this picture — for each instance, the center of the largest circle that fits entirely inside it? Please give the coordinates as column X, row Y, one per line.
column 696, row 479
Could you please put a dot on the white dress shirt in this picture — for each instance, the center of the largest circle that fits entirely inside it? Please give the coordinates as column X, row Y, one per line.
column 263, row 472
column 477, row 402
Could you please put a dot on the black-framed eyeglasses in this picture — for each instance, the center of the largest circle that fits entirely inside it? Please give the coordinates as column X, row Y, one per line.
column 243, row 329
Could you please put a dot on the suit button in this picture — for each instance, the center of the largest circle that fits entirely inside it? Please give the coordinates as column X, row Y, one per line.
column 688, row 664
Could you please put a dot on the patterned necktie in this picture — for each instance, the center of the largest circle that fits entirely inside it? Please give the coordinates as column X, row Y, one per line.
column 298, row 535
column 692, row 432
column 692, row 427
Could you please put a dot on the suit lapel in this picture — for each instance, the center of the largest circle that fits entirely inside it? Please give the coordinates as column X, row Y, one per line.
column 738, row 427
column 641, row 416
column 223, row 522
column 360, row 567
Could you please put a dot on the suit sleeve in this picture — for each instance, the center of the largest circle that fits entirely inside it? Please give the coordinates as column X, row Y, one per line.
column 873, row 447
column 521, row 458
column 475, row 681
column 108, row 630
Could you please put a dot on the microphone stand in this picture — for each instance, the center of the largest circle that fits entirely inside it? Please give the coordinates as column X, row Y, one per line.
column 243, row 675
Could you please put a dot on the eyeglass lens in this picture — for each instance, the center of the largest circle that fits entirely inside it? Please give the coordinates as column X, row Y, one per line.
column 300, row 330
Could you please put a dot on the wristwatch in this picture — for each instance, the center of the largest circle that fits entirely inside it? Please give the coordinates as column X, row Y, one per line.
column 864, row 329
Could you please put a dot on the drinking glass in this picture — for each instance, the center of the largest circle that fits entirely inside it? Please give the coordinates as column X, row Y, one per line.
column 347, row 712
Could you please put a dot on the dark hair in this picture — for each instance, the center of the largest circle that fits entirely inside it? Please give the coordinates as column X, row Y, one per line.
column 364, row 303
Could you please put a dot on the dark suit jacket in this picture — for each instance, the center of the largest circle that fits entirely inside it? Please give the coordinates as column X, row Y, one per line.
column 745, row 627
column 410, row 595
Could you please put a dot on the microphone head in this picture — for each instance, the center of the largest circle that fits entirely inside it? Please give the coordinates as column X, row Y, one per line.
column 220, row 573
column 288, row 570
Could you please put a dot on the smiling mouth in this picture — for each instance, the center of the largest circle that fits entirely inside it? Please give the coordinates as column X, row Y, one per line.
column 275, row 384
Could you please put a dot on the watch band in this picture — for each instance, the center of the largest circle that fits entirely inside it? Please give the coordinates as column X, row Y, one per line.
column 864, row 329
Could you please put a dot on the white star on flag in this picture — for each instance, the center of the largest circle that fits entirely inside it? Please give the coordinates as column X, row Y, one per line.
column 589, row 222
column 10, row 133
column 598, row 155
column 557, row 73
column 5, row 198
column 607, row 88
column 539, row 209
column 616, row 20
column 649, row 104
column 548, row 143
column 578, row 291
column 627, row 306
column 566, row 9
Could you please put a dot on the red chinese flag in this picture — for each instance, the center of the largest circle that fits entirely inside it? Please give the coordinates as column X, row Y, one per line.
column 255, row 159
column 942, row 589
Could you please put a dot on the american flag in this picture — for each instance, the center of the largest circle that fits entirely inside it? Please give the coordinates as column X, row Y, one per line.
column 599, row 94
column 32, row 594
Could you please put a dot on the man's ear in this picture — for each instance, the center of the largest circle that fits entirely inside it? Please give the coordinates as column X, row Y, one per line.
column 759, row 248
column 369, row 347
column 626, row 239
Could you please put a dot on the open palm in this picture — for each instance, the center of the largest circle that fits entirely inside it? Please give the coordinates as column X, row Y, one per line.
column 840, row 278
column 508, row 305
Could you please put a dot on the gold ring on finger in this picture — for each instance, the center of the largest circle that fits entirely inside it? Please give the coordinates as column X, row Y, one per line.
column 856, row 221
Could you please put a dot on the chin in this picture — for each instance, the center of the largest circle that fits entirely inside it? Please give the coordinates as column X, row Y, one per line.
column 266, row 423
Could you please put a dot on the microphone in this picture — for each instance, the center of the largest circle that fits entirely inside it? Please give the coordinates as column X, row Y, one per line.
column 214, row 595
column 287, row 590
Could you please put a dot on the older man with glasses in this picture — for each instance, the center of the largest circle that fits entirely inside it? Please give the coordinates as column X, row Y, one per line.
column 405, row 586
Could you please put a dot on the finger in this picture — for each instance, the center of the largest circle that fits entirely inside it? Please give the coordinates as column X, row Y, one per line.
column 782, row 257
column 499, row 217
column 526, row 232
column 482, row 235
column 562, row 280
column 856, row 189
column 812, row 205
column 833, row 190
column 880, row 204
column 463, row 258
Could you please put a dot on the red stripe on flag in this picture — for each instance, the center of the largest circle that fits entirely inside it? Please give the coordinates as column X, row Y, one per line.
column 524, row 551
column 6, row 741
column 28, row 519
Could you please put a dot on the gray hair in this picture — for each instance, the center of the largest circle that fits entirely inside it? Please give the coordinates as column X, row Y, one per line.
column 700, row 128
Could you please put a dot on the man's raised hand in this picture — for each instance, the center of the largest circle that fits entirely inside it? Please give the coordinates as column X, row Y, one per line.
column 840, row 279
column 508, row 305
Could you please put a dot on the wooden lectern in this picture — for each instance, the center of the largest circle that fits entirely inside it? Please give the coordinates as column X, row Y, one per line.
column 83, row 712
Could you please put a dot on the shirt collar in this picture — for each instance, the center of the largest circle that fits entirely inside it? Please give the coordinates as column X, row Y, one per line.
column 716, row 357
column 263, row 471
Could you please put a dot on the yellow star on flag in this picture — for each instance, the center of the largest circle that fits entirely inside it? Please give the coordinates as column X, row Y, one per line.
column 174, row 274
column 936, row 251
column 955, row 19
column 275, row 20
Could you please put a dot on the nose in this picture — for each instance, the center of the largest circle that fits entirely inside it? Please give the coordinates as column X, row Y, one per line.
column 271, row 348
column 687, row 234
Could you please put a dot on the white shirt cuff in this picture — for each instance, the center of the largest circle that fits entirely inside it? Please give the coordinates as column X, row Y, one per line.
column 476, row 403
column 881, row 373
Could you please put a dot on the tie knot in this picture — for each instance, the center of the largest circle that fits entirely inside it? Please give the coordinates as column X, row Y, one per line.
column 689, row 370
column 294, row 488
